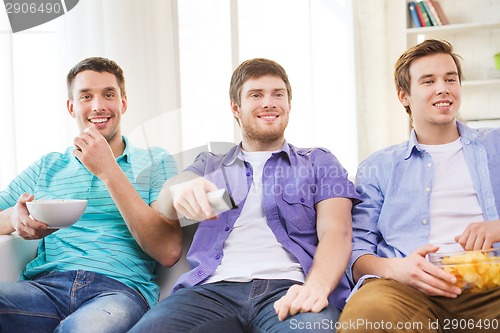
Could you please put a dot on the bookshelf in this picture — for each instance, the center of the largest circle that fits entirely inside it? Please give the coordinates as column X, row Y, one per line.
column 474, row 31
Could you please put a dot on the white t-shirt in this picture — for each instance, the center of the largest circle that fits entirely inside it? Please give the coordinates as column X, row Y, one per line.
column 453, row 203
column 251, row 250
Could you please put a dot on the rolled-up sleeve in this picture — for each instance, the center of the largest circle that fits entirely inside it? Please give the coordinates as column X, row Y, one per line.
column 365, row 215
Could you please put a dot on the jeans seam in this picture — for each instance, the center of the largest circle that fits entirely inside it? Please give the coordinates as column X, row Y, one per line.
column 23, row 313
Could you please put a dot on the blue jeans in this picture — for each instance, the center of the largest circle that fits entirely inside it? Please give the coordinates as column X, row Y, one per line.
column 73, row 301
column 232, row 307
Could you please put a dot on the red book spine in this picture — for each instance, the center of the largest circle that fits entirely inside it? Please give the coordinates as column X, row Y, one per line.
column 420, row 16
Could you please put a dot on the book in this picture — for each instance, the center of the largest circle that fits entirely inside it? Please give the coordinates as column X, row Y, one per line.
column 427, row 20
column 414, row 15
column 429, row 13
column 439, row 11
column 433, row 12
column 420, row 15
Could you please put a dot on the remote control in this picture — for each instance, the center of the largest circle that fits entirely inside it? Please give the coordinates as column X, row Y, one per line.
column 220, row 200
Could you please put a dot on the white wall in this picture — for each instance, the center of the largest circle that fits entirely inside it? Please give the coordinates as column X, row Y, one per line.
column 380, row 39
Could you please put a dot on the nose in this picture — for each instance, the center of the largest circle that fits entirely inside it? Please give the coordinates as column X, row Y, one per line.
column 268, row 102
column 98, row 104
column 442, row 88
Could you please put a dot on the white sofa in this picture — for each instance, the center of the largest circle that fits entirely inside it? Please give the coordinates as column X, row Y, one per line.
column 16, row 252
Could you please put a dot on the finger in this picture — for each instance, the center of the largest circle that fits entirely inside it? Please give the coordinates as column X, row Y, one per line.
column 184, row 209
column 437, row 282
column 34, row 224
column 25, row 197
column 203, row 204
column 431, row 274
column 286, row 302
column 277, row 305
column 432, row 291
column 306, row 304
column 471, row 240
column 424, row 250
column 462, row 239
column 297, row 304
column 91, row 134
column 478, row 244
column 80, row 143
column 283, row 310
column 488, row 244
column 319, row 305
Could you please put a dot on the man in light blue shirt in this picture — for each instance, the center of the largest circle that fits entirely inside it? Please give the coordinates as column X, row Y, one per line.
column 438, row 191
column 99, row 274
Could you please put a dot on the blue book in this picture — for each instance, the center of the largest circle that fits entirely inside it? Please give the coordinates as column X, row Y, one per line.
column 414, row 14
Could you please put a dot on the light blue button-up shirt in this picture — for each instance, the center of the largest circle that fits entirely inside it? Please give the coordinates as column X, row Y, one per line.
column 393, row 219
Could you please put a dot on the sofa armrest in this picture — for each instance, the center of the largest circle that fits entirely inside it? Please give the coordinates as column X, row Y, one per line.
column 15, row 254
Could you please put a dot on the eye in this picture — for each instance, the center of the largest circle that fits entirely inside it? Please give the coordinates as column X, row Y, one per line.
column 85, row 97
column 451, row 80
column 254, row 95
column 427, row 82
column 109, row 95
column 280, row 94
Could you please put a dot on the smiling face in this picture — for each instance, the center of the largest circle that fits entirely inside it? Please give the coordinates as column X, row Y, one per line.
column 435, row 93
column 263, row 113
column 97, row 102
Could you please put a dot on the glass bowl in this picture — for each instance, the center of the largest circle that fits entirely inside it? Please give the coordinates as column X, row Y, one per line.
column 475, row 271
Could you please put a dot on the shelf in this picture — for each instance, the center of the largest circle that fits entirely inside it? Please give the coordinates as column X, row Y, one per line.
column 453, row 28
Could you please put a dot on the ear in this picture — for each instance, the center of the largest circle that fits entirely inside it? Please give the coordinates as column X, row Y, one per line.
column 69, row 106
column 235, row 109
column 403, row 97
column 124, row 104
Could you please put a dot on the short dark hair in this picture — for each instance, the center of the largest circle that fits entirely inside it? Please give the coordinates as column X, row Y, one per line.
column 255, row 68
column 96, row 64
column 402, row 77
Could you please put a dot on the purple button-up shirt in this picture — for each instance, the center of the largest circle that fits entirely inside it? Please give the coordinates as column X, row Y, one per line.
column 294, row 180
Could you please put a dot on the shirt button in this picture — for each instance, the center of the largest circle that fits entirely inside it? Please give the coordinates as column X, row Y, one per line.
column 302, row 200
column 424, row 221
column 248, row 174
column 429, row 165
column 226, row 228
column 428, row 189
column 217, row 257
column 200, row 273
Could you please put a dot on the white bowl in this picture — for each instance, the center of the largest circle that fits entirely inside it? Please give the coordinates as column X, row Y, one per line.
column 58, row 213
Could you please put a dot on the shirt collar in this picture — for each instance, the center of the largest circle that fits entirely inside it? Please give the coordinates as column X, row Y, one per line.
column 128, row 152
column 466, row 133
column 235, row 153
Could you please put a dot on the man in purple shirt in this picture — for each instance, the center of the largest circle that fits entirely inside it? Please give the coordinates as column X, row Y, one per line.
column 275, row 262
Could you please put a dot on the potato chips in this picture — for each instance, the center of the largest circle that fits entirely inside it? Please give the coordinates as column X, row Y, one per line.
column 475, row 270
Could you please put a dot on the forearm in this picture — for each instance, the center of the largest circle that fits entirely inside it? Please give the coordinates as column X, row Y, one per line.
column 330, row 260
column 158, row 236
column 5, row 222
column 373, row 265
